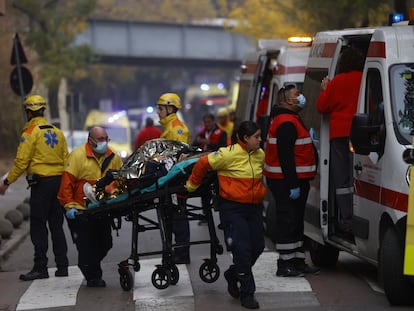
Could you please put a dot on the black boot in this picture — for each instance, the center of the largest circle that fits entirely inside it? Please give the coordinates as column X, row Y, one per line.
column 249, row 302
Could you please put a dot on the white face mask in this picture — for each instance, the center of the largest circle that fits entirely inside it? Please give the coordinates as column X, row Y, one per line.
column 301, row 101
column 101, row 147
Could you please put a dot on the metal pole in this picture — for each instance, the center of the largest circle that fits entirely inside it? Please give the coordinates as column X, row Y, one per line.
column 19, row 70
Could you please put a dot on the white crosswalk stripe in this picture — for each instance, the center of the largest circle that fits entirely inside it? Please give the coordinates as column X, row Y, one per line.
column 264, row 272
column 52, row 292
column 147, row 297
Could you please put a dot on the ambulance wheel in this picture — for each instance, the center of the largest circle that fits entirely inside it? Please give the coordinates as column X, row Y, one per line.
column 175, row 274
column 209, row 271
column 126, row 279
column 397, row 287
column 324, row 256
column 161, row 278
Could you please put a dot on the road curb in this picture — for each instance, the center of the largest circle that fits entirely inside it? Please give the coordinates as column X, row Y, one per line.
column 10, row 244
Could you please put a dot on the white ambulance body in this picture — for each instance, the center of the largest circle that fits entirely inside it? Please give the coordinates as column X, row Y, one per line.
column 264, row 72
column 381, row 130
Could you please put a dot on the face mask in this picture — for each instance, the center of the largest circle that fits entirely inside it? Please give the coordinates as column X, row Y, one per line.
column 301, row 101
column 101, row 147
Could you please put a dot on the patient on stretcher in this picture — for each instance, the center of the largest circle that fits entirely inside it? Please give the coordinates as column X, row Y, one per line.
column 150, row 167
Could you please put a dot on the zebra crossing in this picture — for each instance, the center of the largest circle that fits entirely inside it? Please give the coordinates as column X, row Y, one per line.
column 62, row 292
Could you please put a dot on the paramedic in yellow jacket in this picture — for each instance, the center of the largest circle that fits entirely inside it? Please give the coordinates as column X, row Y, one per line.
column 41, row 154
column 92, row 236
column 239, row 169
column 174, row 129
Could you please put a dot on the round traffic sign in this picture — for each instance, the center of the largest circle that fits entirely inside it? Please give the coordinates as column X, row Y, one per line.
column 27, row 80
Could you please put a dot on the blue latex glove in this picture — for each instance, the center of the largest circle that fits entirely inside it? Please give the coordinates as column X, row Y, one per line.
column 294, row 193
column 312, row 134
column 71, row 213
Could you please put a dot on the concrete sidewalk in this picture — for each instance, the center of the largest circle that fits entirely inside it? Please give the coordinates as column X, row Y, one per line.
column 15, row 194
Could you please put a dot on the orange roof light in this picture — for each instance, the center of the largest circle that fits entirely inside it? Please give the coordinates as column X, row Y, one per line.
column 300, row 39
column 411, row 17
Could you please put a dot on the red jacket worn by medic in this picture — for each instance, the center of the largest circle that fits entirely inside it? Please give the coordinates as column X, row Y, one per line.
column 340, row 99
column 304, row 155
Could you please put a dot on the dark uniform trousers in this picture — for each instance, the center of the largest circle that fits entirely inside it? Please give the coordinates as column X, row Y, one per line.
column 93, row 239
column 45, row 209
column 289, row 222
column 244, row 236
column 341, row 168
column 181, row 230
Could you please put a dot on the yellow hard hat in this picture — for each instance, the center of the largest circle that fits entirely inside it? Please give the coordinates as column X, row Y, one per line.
column 170, row 99
column 222, row 112
column 34, row 103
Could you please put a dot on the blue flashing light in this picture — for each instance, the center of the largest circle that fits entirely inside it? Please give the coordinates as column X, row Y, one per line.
column 395, row 18
column 150, row 109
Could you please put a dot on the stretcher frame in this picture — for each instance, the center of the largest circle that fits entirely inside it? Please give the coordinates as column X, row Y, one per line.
column 165, row 200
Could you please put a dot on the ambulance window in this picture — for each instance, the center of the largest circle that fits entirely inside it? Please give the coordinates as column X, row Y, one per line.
column 402, row 100
column 375, row 105
column 374, row 97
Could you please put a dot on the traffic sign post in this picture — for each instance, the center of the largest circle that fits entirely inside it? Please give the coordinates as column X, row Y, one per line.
column 21, row 80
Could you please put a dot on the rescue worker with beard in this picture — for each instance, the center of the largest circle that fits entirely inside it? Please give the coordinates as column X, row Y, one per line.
column 92, row 236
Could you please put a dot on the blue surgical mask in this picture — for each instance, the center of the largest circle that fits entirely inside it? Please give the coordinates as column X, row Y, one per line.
column 301, row 101
column 101, row 147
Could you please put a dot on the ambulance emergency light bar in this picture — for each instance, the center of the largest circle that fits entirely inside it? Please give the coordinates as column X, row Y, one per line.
column 277, row 44
column 395, row 18
column 398, row 18
column 300, row 40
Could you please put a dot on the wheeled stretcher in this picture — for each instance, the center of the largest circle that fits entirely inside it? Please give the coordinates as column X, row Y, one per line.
column 167, row 195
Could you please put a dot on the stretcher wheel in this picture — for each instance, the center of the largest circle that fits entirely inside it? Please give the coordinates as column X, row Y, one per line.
column 126, row 279
column 175, row 274
column 209, row 271
column 137, row 266
column 219, row 249
column 161, row 278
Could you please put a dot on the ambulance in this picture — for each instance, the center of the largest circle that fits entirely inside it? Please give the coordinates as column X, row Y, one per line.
column 382, row 130
column 276, row 63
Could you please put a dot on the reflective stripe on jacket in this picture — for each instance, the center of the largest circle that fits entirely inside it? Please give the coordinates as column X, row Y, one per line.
column 304, row 152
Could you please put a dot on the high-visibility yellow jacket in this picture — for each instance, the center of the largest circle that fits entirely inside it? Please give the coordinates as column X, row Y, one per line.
column 174, row 129
column 239, row 173
column 82, row 167
column 42, row 150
